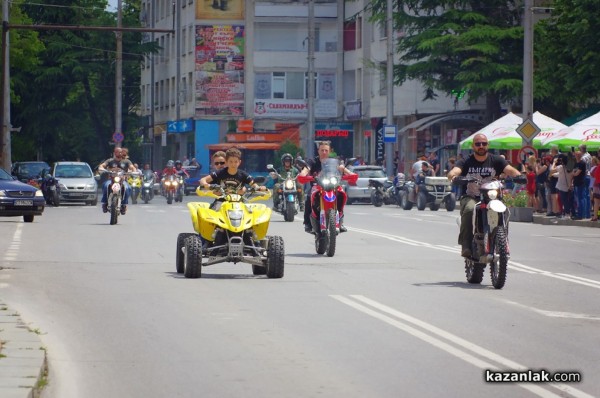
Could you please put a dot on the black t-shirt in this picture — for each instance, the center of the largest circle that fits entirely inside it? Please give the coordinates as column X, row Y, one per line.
column 489, row 169
column 231, row 181
column 434, row 164
column 579, row 180
column 315, row 166
column 123, row 164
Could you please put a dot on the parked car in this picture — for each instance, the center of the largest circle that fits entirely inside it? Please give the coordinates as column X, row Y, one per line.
column 77, row 182
column 190, row 184
column 361, row 191
column 27, row 171
column 19, row 199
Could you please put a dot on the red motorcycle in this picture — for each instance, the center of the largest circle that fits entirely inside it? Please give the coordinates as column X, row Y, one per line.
column 327, row 188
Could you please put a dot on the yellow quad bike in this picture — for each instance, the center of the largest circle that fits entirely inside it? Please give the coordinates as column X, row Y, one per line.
column 236, row 232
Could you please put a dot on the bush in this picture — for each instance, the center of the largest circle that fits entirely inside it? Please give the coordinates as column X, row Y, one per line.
column 517, row 200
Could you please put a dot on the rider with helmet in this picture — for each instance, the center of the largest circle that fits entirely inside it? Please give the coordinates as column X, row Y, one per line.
column 286, row 167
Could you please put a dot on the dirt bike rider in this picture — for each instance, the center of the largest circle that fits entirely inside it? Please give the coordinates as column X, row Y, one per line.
column 116, row 163
column 314, row 168
column 483, row 166
column 286, row 166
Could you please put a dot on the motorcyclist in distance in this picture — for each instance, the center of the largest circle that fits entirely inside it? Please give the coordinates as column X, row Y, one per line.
column 484, row 167
column 314, row 168
column 286, row 166
column 117, row 162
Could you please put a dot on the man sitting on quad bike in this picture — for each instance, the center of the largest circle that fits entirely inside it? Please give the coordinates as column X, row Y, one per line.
column 314, row 168
column 485, row 167
column 232, row 177
column 286, row 167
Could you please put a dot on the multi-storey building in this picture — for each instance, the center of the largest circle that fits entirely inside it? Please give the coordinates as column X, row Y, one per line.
column 237, row 74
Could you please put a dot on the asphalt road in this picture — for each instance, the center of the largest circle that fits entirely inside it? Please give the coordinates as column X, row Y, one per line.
column 390, row 315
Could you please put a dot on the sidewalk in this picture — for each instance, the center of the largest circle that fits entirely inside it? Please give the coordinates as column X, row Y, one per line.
column 544, row 220
column 22, row 357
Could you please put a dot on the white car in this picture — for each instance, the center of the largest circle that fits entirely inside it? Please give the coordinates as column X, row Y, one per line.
column 76, row 181
column 361, row 191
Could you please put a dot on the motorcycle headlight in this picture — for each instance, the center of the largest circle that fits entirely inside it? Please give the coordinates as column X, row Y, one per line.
column 289, row 184
column 333, row 180
column 167, row 183
column 326, row 181
column 175, row 183
column 147, row 185
column 117, row 179
column 492, row 194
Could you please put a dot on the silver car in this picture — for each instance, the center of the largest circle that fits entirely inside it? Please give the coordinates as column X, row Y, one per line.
column 77, row 182
column 361, row 191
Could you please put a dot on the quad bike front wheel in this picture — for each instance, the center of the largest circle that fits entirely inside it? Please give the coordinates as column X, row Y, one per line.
column 192, row 259
column 275, row 257
column 179, row 256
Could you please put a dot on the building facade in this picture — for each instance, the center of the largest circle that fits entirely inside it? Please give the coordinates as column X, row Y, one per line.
column 236, row 73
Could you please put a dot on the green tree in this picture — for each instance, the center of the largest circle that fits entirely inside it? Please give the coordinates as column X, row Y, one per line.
column 68, row 110
column 460, row 45
column 568, row 55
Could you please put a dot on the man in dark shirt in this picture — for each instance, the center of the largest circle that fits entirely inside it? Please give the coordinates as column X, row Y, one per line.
column 118, row 161
column 483, row 166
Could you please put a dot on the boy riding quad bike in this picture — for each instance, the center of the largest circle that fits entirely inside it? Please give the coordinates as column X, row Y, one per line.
column 235, row 231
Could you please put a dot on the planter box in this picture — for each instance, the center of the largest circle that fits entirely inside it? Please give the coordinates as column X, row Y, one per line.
column 521, row 214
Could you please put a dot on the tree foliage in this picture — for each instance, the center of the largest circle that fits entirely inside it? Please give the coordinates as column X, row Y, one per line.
column 454, row 45
column 68, row 107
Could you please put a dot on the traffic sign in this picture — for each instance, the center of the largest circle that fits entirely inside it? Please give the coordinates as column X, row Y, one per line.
column 118, row 137
column 389, row 134
column 528, row 130
column 527, row 151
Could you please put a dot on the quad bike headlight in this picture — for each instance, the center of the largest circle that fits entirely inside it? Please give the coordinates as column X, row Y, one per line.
column 492, row 194
column 235, row 216
column 289, row 184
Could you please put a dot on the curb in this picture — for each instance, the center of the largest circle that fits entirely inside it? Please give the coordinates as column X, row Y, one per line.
column 545, row 220
column 22, row 357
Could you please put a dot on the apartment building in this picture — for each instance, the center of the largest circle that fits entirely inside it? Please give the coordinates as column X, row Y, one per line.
column 236, row 73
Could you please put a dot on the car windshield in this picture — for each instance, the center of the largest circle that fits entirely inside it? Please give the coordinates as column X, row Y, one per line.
column 4, row 175
column 72, row 171
column 371, row 173
column 31, row 169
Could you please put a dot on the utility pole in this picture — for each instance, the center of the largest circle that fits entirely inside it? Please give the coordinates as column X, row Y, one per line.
column 119, row 75
column 389, row 147
column 5, row 101
column 180, row 137
column 528, row 60
column 310, row 138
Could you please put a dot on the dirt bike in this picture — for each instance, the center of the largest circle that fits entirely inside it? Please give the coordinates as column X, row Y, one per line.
column 116, row 192
column 327, row 187
column 173, row 188
column 289, row 195
column 232, row 229
column 490, row 232
column 135, row 182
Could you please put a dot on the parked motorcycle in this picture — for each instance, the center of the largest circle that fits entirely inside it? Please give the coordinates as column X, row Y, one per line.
column 116, row 193
column 135, row 182
column 147, row 186
column 289, row 195
column 490, row 232
column 380, row 193
column 327, row 227
column 173, row 188
column 50, row 188
column 235, row 232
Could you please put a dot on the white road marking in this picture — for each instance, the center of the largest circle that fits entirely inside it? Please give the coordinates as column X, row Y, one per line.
column 513, row 264
column 555, row 314
column 382, row 314
column 568, row 240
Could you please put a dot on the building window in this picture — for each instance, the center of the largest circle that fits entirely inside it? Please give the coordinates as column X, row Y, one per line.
column 382, row 78
column 278, row 84
column 293, row 85
column 349, row 35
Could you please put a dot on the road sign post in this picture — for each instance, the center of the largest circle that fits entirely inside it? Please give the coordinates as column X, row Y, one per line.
column 528, row 130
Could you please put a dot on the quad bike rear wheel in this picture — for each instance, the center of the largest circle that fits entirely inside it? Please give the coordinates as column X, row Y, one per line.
column 192, row 263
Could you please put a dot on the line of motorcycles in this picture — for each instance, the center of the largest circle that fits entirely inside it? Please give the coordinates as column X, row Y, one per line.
column 433, row 192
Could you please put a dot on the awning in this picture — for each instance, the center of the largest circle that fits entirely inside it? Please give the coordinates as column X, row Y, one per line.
column 244, row 145
column 427, row 121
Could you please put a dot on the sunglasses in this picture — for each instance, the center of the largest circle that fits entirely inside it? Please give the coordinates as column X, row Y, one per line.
column 219, row 163
column 481, row 144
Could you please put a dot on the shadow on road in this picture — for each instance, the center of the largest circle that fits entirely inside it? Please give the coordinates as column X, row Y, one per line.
column 462, row 285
